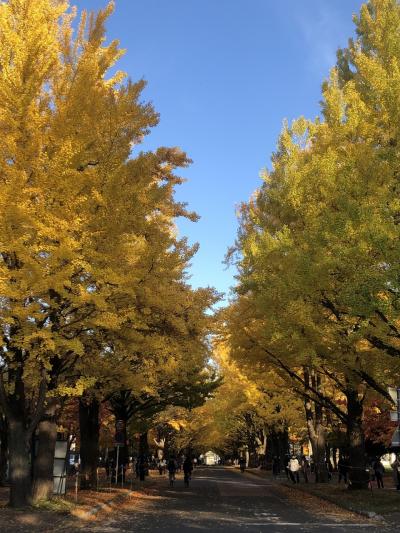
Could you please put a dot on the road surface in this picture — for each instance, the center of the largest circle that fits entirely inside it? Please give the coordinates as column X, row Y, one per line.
column 222, row 499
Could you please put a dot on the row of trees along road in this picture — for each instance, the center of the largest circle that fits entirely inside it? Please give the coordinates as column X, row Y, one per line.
column 94, row 298
column 317, row 300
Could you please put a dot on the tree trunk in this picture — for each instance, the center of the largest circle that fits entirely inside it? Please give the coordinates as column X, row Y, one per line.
column 43, row 481
column 122, row 452
column 276, row 447
column 160, row 443
column 3, row 451
column 334, row 458
column 251, row 446
column 19, row 411
column 358, row 476
column 317, row 438
column 144, row 444
column 316, row 430
column 20, row 470
column 89, row 427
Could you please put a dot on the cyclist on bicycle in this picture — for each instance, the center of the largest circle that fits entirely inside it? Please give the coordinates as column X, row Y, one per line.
column 187, row 470
column 171, row 467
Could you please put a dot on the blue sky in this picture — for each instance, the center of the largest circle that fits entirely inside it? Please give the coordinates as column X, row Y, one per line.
column 224, row 74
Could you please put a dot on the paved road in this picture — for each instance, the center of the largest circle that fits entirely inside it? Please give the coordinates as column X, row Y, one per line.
column 222, row 499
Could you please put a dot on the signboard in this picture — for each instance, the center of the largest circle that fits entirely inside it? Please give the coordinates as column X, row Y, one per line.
column 306, row 449
column 396, row 438
column 120, row 433
column 60, row 467
column 395, row 415
column 393, row 394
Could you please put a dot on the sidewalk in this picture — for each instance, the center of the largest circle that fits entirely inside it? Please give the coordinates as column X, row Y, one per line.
column 375, row 503
column 65, row 514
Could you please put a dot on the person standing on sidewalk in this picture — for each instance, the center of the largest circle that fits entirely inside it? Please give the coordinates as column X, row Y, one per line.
column 286, row 463
column 275, row 466
column 379, row 470
column 294, row 467
column 305, row 468
column 142, row 467
column 396, row 472
column 187, row 470
column 343, row 468
column 171, row 467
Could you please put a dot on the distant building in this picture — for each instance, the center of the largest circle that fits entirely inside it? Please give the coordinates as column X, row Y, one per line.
column 211, row 458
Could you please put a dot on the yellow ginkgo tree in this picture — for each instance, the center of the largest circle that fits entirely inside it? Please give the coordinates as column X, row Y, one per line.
column 318, row 265
column 86, row 229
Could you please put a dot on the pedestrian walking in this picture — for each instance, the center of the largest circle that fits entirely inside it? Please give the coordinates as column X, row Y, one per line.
column 396, row 472
column 275, row 466
column 187, row 470
column 294, row 467
column 329, row 468
column 305, row 468
column 171, row 467
column 343, row 468
column 142, row 467
column 286, row 463
column 379, row 470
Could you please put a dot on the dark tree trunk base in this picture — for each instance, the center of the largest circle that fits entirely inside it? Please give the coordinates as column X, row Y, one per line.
column 44, row 461
column 3, row 451
column 89, row 410
column 20, row 470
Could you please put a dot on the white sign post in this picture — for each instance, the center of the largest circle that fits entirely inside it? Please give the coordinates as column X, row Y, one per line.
column 59, row 468
column 120, row 441
column 395, row 415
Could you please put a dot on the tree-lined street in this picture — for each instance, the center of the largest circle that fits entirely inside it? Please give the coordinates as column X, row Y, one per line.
column 222, row 499
column 115, row 363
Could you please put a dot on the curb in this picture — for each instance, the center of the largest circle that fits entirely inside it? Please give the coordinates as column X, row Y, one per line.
column 366, row 514
column 103, row 506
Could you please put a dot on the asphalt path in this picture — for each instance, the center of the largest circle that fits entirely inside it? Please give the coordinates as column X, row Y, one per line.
column 223, row 499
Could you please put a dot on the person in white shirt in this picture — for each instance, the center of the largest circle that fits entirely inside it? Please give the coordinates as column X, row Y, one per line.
column 294, row 467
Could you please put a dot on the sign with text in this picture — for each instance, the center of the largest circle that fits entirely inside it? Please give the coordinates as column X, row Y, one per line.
column 120, row 433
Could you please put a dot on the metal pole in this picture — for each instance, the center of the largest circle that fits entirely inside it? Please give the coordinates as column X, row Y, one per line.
column 131, row 475
column 76, row 485
column 122, row 476
column 116, row 467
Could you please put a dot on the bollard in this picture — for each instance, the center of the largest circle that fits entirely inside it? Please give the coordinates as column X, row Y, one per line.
column 116, row 468
column 76, row 485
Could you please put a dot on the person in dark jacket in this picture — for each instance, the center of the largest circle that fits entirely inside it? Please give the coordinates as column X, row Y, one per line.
column 142, row 467
column 171, row 467
column 187, row 470
column 276, row 467
column 379, row 470
column 343, row 468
